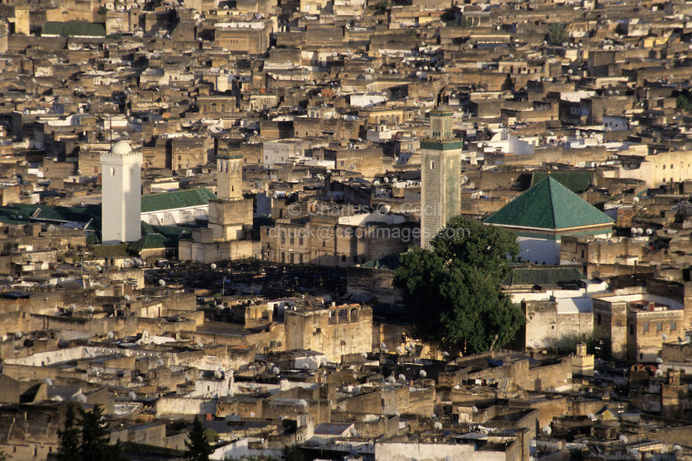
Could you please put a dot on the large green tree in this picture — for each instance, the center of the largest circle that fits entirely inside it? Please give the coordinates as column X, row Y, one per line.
column 452, row 291
column 69, row 437
column 198, row 447
column 87, row 440
column 94, row 434
column 557, row 34
column 292, row 453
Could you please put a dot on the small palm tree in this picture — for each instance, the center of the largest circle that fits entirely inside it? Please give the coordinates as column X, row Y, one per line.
column 557, row 34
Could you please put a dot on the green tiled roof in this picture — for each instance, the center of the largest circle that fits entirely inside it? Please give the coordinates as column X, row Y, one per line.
column 549, row 205
column 176, row 199
column 543, row 276
column 390, row 262
column 148, row 241
column 74, row 29
column 20, row 213
column 111, row 251
column 576, row 181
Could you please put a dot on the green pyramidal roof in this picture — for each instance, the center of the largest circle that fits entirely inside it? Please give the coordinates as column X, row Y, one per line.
column 549, row 205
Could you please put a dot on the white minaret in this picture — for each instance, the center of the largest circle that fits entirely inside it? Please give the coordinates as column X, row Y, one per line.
column 121, row 209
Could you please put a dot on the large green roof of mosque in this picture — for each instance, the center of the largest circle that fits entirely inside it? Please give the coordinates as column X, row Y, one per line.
column 544, row 276
column 549, row 205
column 74, row 29
column 177, row 199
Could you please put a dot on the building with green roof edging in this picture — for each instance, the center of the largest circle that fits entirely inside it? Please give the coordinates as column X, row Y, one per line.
column 543, row 214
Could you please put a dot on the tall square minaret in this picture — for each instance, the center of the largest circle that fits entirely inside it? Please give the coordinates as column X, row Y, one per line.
column 440, row 175
column 230, row 217
column 121, row 206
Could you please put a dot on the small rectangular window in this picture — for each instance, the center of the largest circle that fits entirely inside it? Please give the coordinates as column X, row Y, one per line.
column 659, row 326
column 673, row 326
column 631, row 330
column 645, row 327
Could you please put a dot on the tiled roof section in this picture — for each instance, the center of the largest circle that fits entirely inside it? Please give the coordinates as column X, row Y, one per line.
column 73, row 29
column 576, row 181
column 154, row 240
column 177, row 199
column 543, row 276
column 549, row 205
column 390, row 262
column 18, row 213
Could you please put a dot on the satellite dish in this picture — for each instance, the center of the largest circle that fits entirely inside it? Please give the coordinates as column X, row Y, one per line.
column 302, row 403
column 57, row 398
column 364, row 355
column 402, row 377
column 591, row 416
column 383, row 346
column 664, row 336
column 187, row 378
column 213, row 266
column 423, row 374
column 252, row 414
column 474, row 409
column 218, row 374
column 391, row 380
column 200, row 345
column 623, row 438
column 659, row 360
column 126, row 298
column 659, row 373
column 433, row 416
column 547, row 430
column 276, row 370
column 399, row 350
column 649, row 231
column 132, row 395
column 159, row 362
column 18, row 334
column 438, row 425
column 91, row 309
column 79, row 397
column 139, row 379
column 111, row 335
column 48, row 381
column 162, row 282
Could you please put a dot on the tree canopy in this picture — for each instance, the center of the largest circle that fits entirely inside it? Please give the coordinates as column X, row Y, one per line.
column 90, row 441
column 557, row 34
column 452, row 291
column 198, row 447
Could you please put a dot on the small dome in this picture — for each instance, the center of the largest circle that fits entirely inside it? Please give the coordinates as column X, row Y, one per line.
column 121, row 148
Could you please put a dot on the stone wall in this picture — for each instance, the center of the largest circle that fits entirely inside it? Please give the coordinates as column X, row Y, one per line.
column 334, row 332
